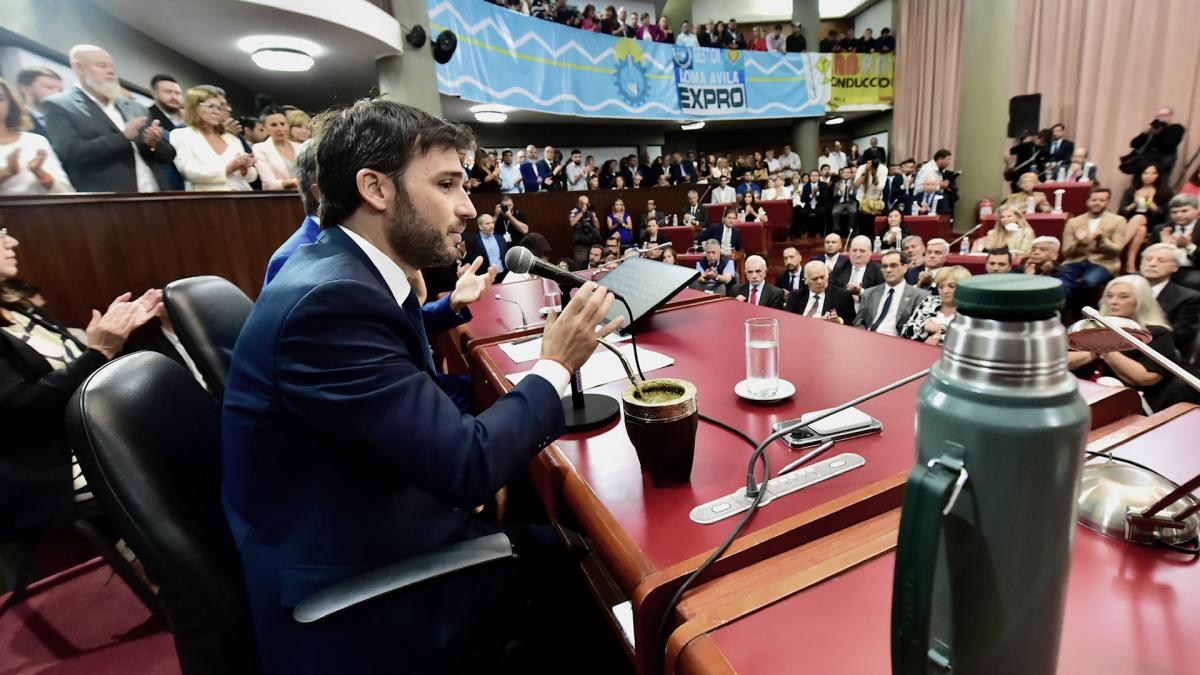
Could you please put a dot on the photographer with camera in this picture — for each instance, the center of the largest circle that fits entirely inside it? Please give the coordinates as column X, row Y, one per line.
column 585, row 228
column 511, row 223
column 1158, row 144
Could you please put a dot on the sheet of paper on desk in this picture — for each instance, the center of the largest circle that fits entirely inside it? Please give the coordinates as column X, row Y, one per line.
column 530, row 350
column 604, row 367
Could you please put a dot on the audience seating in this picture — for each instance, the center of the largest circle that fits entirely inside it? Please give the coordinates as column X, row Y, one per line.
column 208, row 313
column 1043, row 224
column 682, row 238
column 779, row 215
column 755, row 237
column 148, row 439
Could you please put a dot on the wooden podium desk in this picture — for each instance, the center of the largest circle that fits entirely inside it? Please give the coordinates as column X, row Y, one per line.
column 642, row 533
column 826, row 607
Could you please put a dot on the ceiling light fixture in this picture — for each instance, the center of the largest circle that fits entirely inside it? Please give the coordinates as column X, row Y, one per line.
column 835, row 120
column 286, row 60
column 491, row 107
column 490, row 117
column 253, row 43
column 692, row 126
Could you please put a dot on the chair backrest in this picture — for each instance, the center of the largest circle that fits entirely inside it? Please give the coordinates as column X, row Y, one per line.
column 147, row 437
column 208, row 313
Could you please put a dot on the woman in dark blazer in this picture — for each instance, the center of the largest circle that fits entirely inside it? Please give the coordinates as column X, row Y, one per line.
column 41, row 365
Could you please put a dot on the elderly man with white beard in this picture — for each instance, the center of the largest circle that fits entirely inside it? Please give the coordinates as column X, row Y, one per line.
column 102, row 137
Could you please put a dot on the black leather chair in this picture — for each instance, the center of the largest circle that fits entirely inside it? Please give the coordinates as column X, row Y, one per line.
column 208, row 313
column 147, row 437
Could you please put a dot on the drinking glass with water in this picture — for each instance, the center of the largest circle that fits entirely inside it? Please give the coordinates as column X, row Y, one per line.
column 762, row 356
column 552, row 294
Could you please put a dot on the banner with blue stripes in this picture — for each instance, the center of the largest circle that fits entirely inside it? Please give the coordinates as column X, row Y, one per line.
column 511, row 59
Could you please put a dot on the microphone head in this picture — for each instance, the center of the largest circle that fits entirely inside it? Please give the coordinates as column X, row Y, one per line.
column 518, row 259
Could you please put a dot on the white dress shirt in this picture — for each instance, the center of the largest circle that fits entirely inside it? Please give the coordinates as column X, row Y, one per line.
column 724, row 195
column 146, row 182
column 1157, row 288
column 790, row 161
column 1184, row 253
column 856, row 275
column 755, row 289
column 888, row 325
column 397, row 283
column 202, row 168
column 927, row 169
column 510, row 179
column 814, row 305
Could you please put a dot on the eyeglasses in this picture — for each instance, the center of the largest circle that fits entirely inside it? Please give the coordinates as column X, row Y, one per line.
column 215, row 106
column 891, row 266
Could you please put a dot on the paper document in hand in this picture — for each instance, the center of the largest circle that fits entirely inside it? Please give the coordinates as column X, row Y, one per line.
column 604, row 367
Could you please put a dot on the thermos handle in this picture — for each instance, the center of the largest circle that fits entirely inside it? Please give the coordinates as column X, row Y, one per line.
column 929, row 494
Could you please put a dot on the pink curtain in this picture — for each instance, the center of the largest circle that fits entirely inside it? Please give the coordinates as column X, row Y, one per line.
column 925, row 116
column 1104, row 66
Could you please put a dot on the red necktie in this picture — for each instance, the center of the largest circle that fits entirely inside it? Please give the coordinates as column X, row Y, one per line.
column 754, row 295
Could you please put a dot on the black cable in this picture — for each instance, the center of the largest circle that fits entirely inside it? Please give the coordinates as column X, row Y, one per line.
column 1122, row 459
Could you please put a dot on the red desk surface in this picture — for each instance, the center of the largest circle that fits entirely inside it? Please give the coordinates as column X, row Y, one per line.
column 779, row 215
column 1130, row 609
column 926, row 227
column 1075, row 197
column 707, row 341
column 976, row 264
column 754, row 237
column 1043, row 224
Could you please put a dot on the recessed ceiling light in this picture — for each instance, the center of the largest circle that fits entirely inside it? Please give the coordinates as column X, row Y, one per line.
column 253, row 43
column 835, row 120
column 692, row 126
column 491, row 107
column 286, row 60
column 490, row 117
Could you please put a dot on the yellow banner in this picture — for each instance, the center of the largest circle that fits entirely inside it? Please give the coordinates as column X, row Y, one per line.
column 862, row 79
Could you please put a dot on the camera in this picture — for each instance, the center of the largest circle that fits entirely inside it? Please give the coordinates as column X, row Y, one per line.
column 504, row 208
column 1158, row 125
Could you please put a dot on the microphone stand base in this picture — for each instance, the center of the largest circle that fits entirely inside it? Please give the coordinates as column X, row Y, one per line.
column 597, row 410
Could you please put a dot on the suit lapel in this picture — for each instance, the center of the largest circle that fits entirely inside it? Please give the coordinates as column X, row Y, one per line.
column 90, row 107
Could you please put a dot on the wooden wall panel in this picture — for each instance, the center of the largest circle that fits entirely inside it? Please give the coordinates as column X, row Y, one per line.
column 83, row 250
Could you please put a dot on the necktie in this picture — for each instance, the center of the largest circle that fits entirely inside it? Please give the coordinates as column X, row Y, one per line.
column 813, row 305
column 754, row 295
column 887, row 304
column 412, row 309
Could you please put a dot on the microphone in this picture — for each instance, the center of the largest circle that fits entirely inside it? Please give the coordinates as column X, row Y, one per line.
column 964, row 235
column 522, row 261
column 524, row 322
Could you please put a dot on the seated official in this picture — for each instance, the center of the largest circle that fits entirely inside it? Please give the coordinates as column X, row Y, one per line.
column 41, row 366
column 862, row 272
column 749, row 210
column 725, row 234
column 207, row 156
column 717, row 271
column 929, row 320
column 694, row 214
column 914, row 252
column 723, row 193
column 999, row 261
column 932, row 260
column 652, row 239
column 1091, row 247
column 1079, row 169
column 756, row 290
column 894, row 230
column 1180, row 304
column 306, row 177
column 341, row 453
column 887, row 307
column 652, row 212
column 930, row 200
column 1043, row 259
column 1129, row 297
column 1028, row 199
column 1011, row 231
column 1182, row 233
column 595, row 256
column 791, row 279
column 834, row 259
column 820, row 300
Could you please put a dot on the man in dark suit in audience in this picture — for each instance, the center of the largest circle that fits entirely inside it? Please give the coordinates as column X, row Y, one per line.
column 1060, row 148
column 819, row 299
column 756, row 290
column 529, row 171
column 874, row 151
column 862, row 272
column 36, row 85
column 834, row 259
column 888, row 306
column 724, row 232
column 310, row 229
column 488, row 244
column 815, row 198
column 103, row 139
column 1179, row 303
column 694, row 214
column 340, row 451
column 791, row 279
column 898, row 189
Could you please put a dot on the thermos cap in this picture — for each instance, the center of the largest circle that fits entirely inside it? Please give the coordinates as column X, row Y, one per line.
column 1009, row 297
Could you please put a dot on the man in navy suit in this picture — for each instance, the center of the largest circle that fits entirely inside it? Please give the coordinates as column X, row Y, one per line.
column 340, row 451
column 529, row 172
column 489, row 245
column 724, row 232
column 1061, row 148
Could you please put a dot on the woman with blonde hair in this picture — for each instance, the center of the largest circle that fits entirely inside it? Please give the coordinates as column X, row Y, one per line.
column 1011, row 231
column 930, row 319
column 275, row 158
column 299, row 129
column 28, row 165
column 1130, row 297
column 208, row 157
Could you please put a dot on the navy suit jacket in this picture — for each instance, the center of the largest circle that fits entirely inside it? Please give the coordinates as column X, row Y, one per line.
column 342, row 454
column 714, row 232
column 529, row 176
column 307, row 233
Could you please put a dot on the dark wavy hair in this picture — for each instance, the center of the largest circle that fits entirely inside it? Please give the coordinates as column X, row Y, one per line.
column 374, row 134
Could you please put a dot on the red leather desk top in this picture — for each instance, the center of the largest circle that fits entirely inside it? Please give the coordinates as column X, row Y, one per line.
column 707, row 342
column 1130, row 609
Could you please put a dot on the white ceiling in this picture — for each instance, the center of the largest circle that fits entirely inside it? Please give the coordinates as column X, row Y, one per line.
column 207, row 32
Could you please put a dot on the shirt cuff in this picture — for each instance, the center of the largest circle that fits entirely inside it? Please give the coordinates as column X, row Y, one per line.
column 554, row 373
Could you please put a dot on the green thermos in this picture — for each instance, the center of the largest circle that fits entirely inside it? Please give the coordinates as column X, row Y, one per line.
column 989, row 509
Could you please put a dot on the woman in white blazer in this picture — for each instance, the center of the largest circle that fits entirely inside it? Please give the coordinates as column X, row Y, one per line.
column 208, row 157
column 275, row 158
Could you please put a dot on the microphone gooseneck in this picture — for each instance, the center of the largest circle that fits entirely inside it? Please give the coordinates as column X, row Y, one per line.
column 501, row 298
